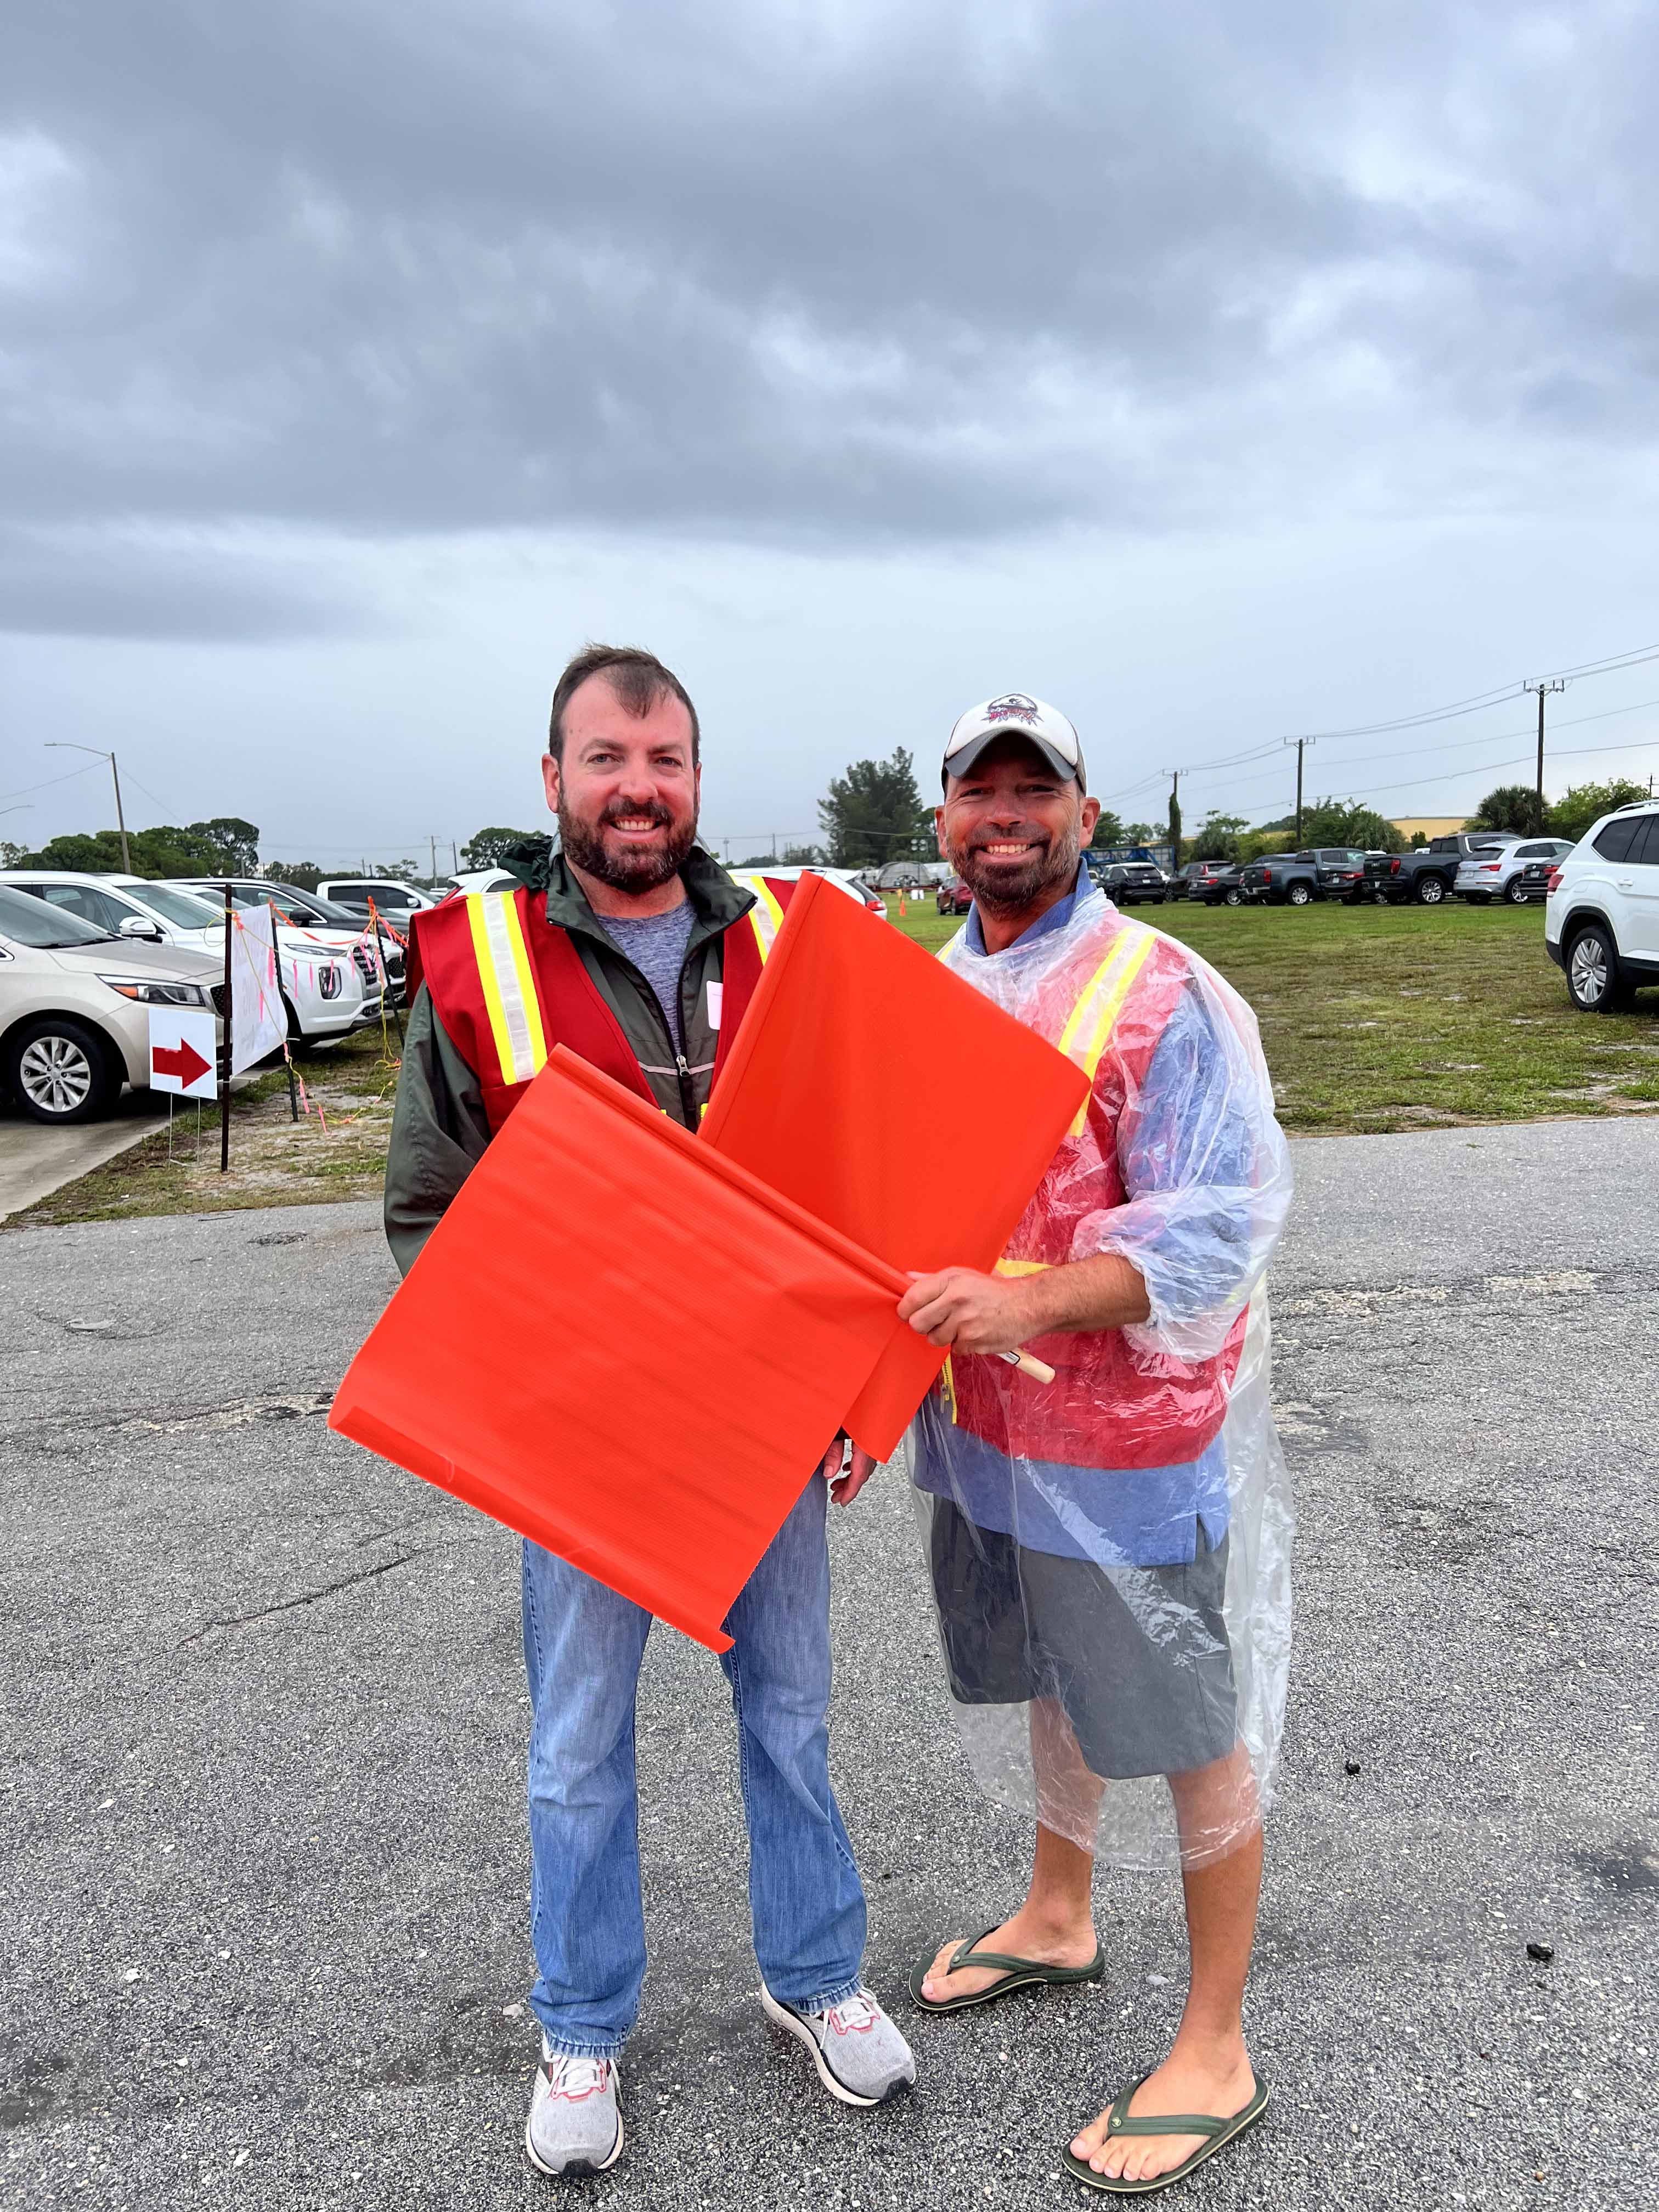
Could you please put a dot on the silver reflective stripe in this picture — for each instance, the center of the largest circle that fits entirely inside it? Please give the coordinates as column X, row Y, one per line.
column 498, row 930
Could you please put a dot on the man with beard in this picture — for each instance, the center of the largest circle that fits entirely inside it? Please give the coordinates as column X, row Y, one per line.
column 1109, row 1554
column 632, row 947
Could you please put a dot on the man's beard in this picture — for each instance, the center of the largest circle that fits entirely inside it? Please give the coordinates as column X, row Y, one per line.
column 631, row 868
column 1002, row 890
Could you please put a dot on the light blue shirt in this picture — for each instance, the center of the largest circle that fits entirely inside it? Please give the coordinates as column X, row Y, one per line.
column 1131, row 1517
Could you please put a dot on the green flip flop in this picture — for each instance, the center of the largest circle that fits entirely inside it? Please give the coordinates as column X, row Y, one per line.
column 1216, row 2135
column 1018, row 1974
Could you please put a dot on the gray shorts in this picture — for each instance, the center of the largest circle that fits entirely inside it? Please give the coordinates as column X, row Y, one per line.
column 1137, row 1657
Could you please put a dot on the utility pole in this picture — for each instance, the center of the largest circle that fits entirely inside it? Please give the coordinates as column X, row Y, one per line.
column 432, row 847
column 68, row 745
column 1299, row 743
column 1543, row 690
column 454, row 859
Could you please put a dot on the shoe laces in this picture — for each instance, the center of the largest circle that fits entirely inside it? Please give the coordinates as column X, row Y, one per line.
column 575, row 2078
column 854, row 2016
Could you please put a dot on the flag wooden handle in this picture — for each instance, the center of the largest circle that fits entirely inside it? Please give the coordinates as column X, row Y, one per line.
column 1029, row 1364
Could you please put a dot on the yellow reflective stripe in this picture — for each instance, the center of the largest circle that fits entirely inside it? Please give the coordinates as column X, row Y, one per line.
column 485, row 959
column 1023, row 1266
column 1088, row 1029
column 509, row 989
column 947, row 1389
column 766, row 914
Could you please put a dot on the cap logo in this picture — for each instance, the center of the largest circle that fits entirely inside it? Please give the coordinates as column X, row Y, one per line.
column 1012, row 705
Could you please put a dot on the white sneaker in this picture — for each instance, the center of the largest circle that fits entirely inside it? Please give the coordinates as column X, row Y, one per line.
column 576, row 2124
column 860, row 2056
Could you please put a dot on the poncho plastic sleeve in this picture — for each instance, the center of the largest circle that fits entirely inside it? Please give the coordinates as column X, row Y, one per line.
column 1207, row 1175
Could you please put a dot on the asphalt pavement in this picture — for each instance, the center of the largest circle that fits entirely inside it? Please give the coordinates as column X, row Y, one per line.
column 262, row 1862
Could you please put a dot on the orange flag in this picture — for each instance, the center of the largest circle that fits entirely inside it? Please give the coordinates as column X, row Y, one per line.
column 893, row 1102
column 647, row 1390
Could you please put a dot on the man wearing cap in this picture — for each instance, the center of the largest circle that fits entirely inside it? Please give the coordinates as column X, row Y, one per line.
column 1110, row 1552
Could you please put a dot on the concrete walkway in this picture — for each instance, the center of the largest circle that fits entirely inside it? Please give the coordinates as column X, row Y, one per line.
column 35, row 1160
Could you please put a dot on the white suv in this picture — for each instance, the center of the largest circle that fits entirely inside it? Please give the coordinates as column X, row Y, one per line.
column 330, row 993
column 1601, row 918
column 393, row 901
column 1484, row 876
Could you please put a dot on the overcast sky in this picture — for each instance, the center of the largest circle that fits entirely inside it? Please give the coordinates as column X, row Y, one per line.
column 1213, row 372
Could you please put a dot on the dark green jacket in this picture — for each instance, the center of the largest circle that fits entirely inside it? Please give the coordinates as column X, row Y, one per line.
column 439, row 1128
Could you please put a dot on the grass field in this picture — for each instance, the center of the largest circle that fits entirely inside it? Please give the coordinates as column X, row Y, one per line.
column 1373, row 1018
column 1394, row 1018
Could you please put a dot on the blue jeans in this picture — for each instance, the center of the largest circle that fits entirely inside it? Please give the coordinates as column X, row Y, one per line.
column 583, row 1645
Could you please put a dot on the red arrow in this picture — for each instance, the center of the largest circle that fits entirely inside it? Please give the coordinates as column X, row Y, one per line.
column 182, row 1060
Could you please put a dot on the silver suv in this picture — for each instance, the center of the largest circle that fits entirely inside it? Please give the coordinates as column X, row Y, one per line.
column 1601, row 915
column 75, row 1003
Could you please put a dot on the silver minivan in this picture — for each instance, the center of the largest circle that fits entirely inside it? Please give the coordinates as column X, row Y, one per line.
column 75, row 1003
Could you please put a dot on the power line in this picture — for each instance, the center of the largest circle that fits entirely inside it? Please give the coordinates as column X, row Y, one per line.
column 1520, row 760
column 1473, row 705
column 1492, row 737
column 48, row 784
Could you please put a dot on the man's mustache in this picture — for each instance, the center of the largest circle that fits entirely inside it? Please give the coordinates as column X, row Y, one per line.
column 659, row 816
column 1022, row 833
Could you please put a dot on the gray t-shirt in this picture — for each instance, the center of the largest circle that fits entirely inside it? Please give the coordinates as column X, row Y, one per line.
column 656, row 945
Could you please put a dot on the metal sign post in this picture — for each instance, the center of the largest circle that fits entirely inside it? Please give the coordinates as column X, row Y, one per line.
column 224, row 1080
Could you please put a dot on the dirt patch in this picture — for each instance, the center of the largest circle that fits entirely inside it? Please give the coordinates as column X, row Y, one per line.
column 336, row 1149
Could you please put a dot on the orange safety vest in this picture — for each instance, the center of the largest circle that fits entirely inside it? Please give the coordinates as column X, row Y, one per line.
column 508, row 985
column 1111, row 1404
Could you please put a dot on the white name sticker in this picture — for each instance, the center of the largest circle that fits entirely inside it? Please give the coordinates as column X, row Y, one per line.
column 716, row 998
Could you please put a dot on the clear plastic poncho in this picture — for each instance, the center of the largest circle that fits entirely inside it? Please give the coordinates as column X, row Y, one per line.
column 1110, row 1553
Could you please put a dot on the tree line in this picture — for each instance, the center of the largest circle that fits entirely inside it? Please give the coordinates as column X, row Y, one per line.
column 873, row 813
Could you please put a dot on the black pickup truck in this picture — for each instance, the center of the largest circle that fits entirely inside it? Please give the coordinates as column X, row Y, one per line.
column 1428, row 876
column 1297, row 879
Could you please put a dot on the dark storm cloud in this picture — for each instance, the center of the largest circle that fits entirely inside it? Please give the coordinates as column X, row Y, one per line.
column 789, row 272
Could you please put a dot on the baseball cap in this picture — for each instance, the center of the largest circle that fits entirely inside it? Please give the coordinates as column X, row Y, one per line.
column 1017, row 713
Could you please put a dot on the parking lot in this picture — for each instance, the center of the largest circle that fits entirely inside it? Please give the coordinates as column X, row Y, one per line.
column 263, row 1868
column 1374, row 1019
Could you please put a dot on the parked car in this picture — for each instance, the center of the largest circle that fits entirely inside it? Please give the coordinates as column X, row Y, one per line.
column 1601, row 918
column 1289, row 879
column 317, row 921
column 953, row 896
column 843, row 878
column 75, row 1001
column 1501, row 875
column 1221, row 884
column 1534, row 879
column 480, row 879
column 328, row 992
column 1428, row 875
column 395, row 900
column 1196, row 874
column 1130, row 883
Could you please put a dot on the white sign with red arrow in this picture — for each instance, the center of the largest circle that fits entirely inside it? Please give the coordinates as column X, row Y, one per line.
column 183, row 1052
